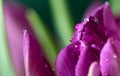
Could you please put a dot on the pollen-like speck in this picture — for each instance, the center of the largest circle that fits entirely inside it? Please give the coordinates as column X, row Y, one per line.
column 105, row 74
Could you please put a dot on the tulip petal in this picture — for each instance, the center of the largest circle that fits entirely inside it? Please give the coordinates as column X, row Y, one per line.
column 98, row 13
column 106, row 21
column 91, row 8
column 14, row 37
column 94, row 69
column 118, row 21
column 87, row 56
column 109, row 22
column 67, row 59
column 35, row 62
column 88, row 31
column 110, row 58
column 17, row 11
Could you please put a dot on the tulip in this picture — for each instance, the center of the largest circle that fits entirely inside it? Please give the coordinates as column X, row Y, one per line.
column 25, row 51
column 94, row 48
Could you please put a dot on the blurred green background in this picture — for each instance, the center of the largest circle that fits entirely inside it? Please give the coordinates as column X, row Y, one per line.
column 74, row 8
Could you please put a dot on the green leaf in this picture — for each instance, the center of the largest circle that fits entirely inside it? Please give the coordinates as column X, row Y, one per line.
column 115, row 4
column 62, row 21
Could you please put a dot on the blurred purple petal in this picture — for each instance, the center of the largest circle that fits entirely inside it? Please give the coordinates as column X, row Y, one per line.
column 17, row 12
column 35, row 62
column 14, row 37
column 91, row 8
column 94, row 69
column 87, row 56
column 67, row 59
column 110, row 58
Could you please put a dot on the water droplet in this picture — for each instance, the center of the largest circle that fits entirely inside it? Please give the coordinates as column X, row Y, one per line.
column 96, row 20
column 46, row 66
column 53, row 69
column 115, row 56
column 105, row 74
column 76, row 46
column 106, row 62
column 82, row 44
column 95, row 46
column 86, row 19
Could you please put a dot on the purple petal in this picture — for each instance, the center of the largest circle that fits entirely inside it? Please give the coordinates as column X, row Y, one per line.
column 77, row 33
column 106, row 21
column 67, row 59
column 109, row 22
column 89, row 32
column 94, row 69
column 91, row 8
column 17, row 12
column 14, row 37
column 15, row 22
column 35, row 62
column 98, row 13
column 110, row 58
column 87, row 56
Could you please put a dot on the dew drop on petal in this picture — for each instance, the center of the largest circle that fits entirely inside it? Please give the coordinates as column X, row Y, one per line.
column 76, row 46
column 95, row 47
column 115, row 56
column 106, row 61
column 82, row 44
column 53, row 69
column 105, row 74
column 46, row 66
column 86, row 19
column 96, row 20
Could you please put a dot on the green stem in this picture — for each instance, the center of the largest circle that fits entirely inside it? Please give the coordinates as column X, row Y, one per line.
column 62, row 21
